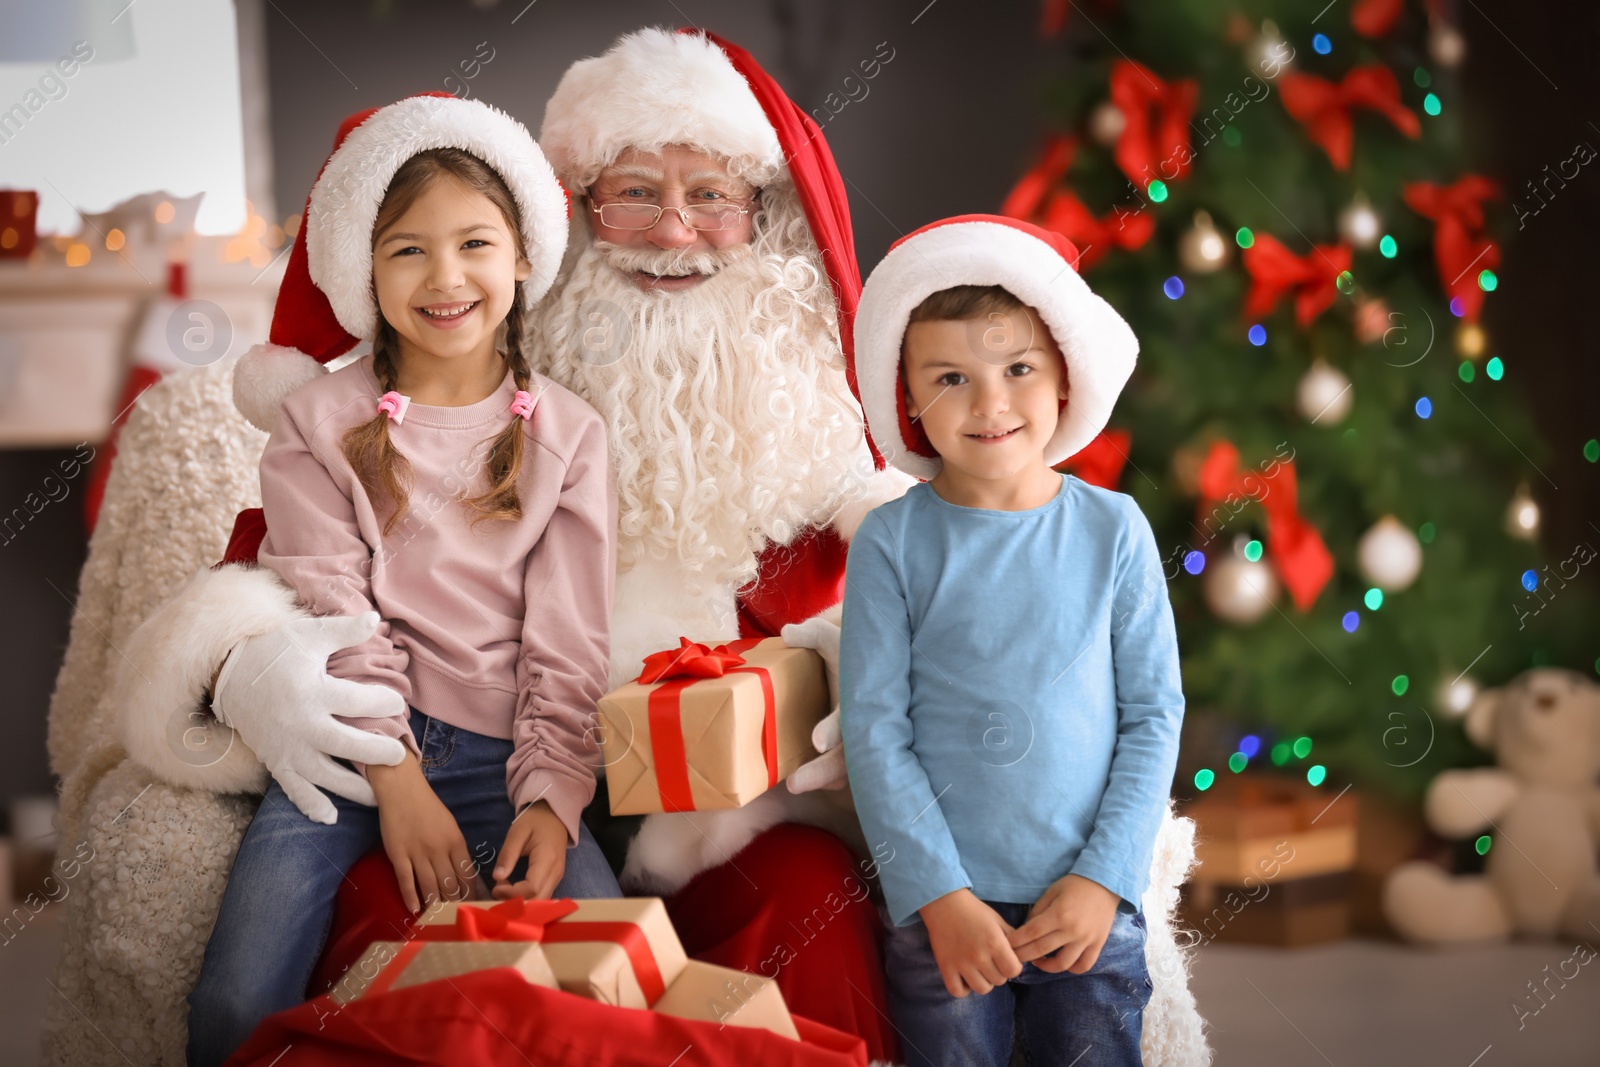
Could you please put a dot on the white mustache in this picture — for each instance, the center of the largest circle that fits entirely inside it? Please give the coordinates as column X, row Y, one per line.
column 659, row 261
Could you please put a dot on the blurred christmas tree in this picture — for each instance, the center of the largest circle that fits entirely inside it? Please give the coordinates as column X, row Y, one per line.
column 1278, row 200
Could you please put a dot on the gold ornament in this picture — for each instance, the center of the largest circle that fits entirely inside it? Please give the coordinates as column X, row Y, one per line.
column 1202, row 249
column 1455, row 698
column 1269, row 54
column 1522, row 517
column 1359, row 224
column 1446, row 44
column 1106, row 123
column 1237, row 590
column 1390, row 555
column 1324, row 396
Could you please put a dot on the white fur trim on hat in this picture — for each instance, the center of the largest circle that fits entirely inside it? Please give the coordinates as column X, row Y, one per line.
column 652, row 88
column 168, row 662
column 264, row 376
column 1098, row 345
column 344, row 202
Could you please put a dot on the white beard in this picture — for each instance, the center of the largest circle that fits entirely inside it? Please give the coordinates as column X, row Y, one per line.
column 729, row 419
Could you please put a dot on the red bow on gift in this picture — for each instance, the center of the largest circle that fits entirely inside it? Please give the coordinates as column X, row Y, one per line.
column 1100, row 461
column 1032, row 188
column 510, row 920
column 1460, row 250
column 1094, row 237
column 520, row 919
column 1323, row 107
column 679, row 668
column 1274, row 271
column 1155, row 130
column 689, row 660
column 1299, row 556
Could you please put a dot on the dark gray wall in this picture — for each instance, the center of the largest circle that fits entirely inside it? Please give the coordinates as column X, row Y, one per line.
column 942, row 129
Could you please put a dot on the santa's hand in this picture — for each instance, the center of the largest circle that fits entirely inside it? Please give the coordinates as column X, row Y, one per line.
column 820, row 633
column 275, row 691
column 827, row 771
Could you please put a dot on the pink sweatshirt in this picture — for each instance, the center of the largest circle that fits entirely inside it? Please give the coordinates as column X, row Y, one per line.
column 503, row 630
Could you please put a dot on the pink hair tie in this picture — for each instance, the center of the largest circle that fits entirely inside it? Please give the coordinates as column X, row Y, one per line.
column 394, row 405
column 523, row 403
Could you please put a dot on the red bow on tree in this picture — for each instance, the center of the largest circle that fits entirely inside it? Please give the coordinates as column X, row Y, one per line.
column 1031, row 200
column 1155, row 131
column 1094, row 237
column 1029, row 193
column 1323, row 107
column 689, row 660
column 1375, row 18
column 1100, row 461
column 1299, row 557
column 1274, row 271
column 1460, row 249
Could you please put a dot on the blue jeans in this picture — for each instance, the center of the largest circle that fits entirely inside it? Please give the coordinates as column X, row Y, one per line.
column 278, row 905
column 1092, row 1019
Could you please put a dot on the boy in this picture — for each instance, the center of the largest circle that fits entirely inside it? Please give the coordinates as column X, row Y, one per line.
column 1008, row 671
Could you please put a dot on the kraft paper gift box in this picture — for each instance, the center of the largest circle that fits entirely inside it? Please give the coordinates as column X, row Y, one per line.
column 704, row 729
column 619, row 952
column 723, row 995
column 1272, row 829
column 390, row 965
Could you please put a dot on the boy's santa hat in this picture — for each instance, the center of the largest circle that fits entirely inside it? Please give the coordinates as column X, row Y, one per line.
column 658, row 87
column 1036, row 266
column 325, row 304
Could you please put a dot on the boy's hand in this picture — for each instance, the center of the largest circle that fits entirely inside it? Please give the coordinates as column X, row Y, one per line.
column 1072, row 920
column 420, row 835
column 970, row 943
column 538, row 834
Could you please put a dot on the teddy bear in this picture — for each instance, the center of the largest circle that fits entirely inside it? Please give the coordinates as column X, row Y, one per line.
column 1541, row 804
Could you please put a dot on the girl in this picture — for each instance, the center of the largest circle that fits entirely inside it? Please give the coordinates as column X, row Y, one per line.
column 468, row 503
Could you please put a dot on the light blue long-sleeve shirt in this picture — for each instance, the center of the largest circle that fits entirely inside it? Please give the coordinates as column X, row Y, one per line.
column 1010, row 694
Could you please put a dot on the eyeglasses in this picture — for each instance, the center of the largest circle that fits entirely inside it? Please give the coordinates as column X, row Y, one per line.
column 724, row 215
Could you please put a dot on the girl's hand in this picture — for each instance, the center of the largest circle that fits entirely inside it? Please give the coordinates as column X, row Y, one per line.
column 538, row 834
column 420, row 835
column 1073, row 920
column 970, row 943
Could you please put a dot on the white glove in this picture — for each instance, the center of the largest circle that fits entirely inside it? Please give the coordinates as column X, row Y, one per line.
column 275, row 690
column 827, row 771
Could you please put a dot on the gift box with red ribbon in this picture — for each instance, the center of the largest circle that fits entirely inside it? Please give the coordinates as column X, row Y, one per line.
column 706, row 728
column 620, row 952
column 390, row 965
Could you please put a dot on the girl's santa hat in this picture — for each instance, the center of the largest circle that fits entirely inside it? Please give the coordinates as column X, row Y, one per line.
column 325, row 304
column 657, row 87
column 1039, row 268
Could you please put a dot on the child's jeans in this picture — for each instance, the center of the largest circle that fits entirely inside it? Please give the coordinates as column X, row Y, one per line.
column 278, row 905
column 1086, row 1020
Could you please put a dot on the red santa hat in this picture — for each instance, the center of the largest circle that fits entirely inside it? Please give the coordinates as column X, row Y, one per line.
column 657, row 87
column 325, row 304
column 1036, row 266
